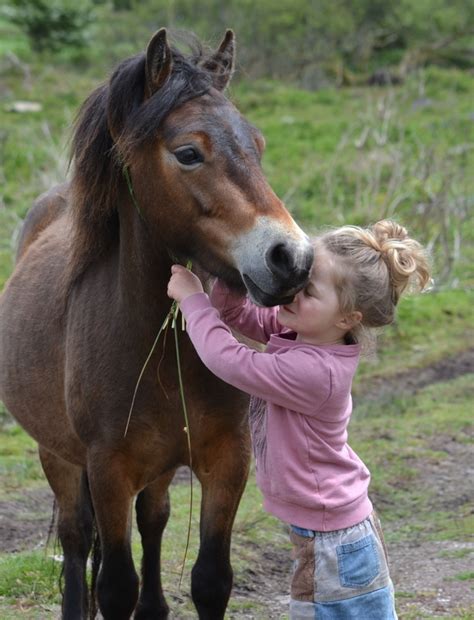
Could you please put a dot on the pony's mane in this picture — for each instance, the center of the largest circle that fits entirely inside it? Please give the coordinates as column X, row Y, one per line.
column 98, row 160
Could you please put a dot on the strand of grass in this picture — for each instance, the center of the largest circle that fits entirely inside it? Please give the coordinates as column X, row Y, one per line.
column 188, row 436
column 187, row 431
column 163, row 326
column 158, row 376
column 126, row 174
column 172, row 314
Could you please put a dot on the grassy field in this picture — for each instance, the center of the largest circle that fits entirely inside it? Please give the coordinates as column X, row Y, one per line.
column 347, row 155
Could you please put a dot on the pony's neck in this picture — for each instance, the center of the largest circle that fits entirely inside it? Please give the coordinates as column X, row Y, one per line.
column 144, row 263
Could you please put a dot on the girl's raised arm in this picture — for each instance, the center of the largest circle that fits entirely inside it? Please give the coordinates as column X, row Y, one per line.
column 294, row 380
column 239, row 313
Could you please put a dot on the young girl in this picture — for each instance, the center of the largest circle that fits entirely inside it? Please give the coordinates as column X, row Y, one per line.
column 301, row 406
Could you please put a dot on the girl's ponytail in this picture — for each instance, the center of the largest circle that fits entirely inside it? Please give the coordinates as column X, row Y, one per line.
column 406, row 259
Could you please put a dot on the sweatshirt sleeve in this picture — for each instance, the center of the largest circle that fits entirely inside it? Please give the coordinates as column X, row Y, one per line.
column 241, row 314
column 292, row 379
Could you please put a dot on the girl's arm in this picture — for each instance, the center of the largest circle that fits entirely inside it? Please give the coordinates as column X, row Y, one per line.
column 294, row 379
column 241, row 314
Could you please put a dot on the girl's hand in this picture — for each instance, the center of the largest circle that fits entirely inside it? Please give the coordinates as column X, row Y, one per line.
column 183, row 283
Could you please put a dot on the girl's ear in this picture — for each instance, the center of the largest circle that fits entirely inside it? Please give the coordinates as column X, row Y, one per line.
column 350, row 320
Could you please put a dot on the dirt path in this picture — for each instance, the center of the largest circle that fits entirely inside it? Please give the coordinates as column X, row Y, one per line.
column 426, row 573
column 411, row 381
column 25, row 522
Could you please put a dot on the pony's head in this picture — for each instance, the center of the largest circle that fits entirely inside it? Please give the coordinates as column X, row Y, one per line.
column 194, row 163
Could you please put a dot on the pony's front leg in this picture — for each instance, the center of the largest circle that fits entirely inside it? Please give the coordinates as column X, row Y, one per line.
column 223, row 480
column 74, row 529
column 153, row 510
column 112, row 490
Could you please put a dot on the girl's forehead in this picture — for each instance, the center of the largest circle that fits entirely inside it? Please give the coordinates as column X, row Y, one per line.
column 323, row 260
column 325, row 268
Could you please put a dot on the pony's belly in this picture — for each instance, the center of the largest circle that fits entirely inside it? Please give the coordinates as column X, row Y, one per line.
column 43, row 417
column 33, row 396
column 32, row 352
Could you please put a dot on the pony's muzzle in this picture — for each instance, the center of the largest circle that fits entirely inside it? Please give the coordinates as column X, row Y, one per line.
column 288, row 267
column 288, row 264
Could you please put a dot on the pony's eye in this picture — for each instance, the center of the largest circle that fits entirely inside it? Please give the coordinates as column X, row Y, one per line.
column 188, row 156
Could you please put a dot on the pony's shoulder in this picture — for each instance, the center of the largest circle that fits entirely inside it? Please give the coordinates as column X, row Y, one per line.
column 46, row 209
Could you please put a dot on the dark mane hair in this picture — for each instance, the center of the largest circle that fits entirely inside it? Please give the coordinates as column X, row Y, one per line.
column 98, row 157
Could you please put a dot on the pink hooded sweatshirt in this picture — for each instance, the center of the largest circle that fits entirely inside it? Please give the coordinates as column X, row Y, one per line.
column 300, row 410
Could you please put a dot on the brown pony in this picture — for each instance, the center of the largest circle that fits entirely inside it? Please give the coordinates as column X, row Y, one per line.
column 86, row 300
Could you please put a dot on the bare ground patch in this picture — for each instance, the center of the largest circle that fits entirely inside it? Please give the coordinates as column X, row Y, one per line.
column 411, row 381
column 427, row 575
column 426, row 578
column 268, row 583
column 25, row 522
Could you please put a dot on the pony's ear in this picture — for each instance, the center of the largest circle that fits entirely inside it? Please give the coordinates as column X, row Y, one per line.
column 158, row 62
column 221, row 63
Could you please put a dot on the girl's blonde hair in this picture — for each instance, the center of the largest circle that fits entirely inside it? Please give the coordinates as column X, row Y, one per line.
column 374, row 266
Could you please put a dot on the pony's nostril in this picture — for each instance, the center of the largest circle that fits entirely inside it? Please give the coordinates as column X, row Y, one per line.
column 280, row 259
column 308, row 260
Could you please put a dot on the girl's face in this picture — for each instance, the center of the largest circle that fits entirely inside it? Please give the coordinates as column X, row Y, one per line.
column 314, row 313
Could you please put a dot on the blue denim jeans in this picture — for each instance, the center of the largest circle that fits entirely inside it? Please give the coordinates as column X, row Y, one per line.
column 341, row 575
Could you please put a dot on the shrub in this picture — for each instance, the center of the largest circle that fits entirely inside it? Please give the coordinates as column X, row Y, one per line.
column 51, row 24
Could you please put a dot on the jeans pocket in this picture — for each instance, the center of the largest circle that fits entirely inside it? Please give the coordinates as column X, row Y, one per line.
column 358, row 562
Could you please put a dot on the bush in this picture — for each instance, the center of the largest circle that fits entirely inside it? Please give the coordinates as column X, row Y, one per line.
column 51, row 24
